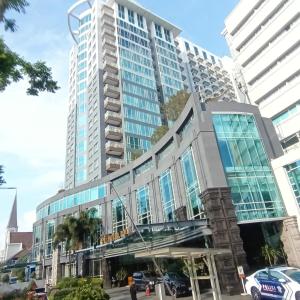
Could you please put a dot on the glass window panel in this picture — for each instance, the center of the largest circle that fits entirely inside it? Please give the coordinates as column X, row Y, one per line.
column 254, row 191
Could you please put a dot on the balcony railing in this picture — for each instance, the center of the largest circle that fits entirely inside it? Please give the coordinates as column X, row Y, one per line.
column 113, row 118
column 111, row 91
column 113, row 164
column 112, row 104
column 114, row 148
column 113, row 133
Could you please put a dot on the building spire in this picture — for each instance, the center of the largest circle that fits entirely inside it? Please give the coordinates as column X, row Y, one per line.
column 13, row 219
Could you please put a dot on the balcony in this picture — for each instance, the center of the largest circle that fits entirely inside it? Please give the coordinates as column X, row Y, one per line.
column 113, row 118
column 110, row 55
column 108, row 23
column 113, row 133
column 114, row 148
column 190, row 54
column 107, row 9
column 110, row 66
column 111, row 91
column 108, row 34
column 109, row 45
column 113, row 164
column 112, row 104
column 111, row 78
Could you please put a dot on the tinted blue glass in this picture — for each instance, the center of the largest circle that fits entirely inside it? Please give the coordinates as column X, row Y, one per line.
column 195, row 207
column 254, row 190
column 166, row 191
column 293, row 171
column 143, row 205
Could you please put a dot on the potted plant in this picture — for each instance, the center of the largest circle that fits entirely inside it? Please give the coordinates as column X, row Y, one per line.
column 121, row 276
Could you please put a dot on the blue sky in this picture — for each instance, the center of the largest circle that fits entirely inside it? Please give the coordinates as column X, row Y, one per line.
column 33, row 129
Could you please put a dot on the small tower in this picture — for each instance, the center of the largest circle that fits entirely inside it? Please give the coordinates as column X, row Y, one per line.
column 12, row 225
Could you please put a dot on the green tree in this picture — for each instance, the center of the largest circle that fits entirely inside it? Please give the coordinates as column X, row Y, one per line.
column 77, row 233
column 2, row 181
column 270, row 254
column 173, row 108
column 136, row 153
column 13, row 67
column 63, row 234
column 5, row 278
column 7, row 5
column 158, row 133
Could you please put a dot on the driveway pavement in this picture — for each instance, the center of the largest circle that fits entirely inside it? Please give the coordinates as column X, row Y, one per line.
column 123, row 294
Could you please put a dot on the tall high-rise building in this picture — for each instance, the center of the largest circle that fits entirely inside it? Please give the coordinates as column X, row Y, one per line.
column 125, row 62
column 264, row 38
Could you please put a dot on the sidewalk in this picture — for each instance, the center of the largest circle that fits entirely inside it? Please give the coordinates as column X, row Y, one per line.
column 123, row 294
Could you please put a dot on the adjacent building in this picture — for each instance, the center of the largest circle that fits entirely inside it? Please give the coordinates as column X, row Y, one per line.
column 264, row 39
column 17, row 244
column 206, row 73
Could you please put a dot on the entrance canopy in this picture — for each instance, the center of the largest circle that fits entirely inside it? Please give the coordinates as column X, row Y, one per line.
column 182, row 252
column 190, row 254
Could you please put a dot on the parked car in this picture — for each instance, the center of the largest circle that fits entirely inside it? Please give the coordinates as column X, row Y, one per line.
column 143, row 279
column 274, row 283
column 179, row 285
column 13, row 280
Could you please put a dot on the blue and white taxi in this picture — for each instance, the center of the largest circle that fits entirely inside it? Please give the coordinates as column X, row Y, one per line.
column 274, row 283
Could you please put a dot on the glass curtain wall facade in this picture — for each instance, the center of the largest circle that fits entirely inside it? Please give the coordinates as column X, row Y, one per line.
column 139, row 92
column 143, row 205
column 167, row 63
column 81, row 101
column 254, row 191
column 167, row 196
column 195, row 206
column 50, row 229
column 119, row 222
column 293, row 171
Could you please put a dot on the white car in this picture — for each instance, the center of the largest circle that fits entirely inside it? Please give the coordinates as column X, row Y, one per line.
column 274, row 283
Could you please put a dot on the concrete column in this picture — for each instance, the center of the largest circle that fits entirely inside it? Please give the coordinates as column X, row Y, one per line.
column 290, row 237
column 225, row 234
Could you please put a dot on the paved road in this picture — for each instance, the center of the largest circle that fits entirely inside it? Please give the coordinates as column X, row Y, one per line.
column 123, row 294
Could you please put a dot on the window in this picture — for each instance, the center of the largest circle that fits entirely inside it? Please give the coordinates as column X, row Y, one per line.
column 119, row 222
column 144, row 167
column 262, row 275
column 158, row 30
column 254, row 190
column 130, row 16
column 291, row 111
column 204, row 54
column 293, row 172
column 213, row 59
column 167, row 35
column 140, row 21
column 195, row 207
column 196, row 51
column 121, row 10
column 143, row 205
column 167, row 196
column 187, row 46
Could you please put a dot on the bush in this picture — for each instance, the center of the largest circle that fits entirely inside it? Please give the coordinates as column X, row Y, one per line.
column 14, row 295
column 5, row 278
column 87, row 292
column 68, row 282
column 62, row 294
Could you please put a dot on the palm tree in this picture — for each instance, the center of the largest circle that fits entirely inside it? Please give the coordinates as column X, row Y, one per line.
column 16, row 5
column 77, row 233
column 64, row 234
